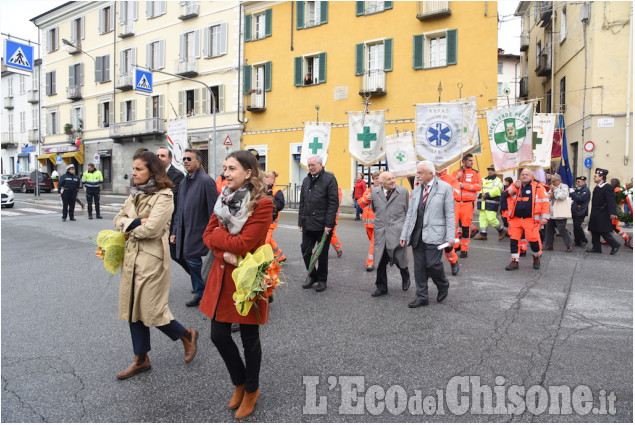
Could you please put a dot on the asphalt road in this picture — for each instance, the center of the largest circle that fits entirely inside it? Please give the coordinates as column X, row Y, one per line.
column 336, row 356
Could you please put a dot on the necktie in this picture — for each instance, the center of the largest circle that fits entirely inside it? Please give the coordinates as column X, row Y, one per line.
column 425, row 195
column 388, row 193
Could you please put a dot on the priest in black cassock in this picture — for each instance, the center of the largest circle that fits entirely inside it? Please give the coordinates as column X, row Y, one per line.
column 603, row 209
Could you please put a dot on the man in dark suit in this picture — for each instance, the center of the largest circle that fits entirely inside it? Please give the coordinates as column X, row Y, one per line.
column 175, row 175
column 603, row 209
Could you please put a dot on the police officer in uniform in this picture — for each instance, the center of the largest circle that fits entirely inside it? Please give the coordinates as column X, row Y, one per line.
column 67, row 188
column 92, row 180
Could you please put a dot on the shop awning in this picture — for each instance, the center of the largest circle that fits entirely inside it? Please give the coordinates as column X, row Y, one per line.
column 79, row 157
column 50, row 156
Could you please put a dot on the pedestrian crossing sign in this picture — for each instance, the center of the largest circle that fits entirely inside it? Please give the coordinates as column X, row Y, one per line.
column 18, row 55
column 142, row 81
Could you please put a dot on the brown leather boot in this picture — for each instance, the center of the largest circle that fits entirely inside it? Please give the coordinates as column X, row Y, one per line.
column 248, row 404
column 189, row 338
column 237, row 397
column 140, row 364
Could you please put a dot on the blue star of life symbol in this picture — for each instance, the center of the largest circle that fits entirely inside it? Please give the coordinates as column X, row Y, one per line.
column 439, row 134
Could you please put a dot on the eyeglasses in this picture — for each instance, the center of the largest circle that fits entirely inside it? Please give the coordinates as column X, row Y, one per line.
column 187, row 158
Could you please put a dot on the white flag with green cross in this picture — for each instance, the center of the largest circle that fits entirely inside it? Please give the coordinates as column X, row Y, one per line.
column 367, row 136
column 544, row 126
column 510, row 135
column 400, row 154
column 317, row 136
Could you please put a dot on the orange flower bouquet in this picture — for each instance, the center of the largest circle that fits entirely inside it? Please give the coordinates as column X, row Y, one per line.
column 256, row 277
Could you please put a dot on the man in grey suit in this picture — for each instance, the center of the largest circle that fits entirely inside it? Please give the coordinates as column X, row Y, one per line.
column 429, row 225
column 390, row 204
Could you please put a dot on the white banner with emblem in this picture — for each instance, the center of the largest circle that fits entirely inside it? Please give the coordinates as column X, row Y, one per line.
column 400, row 154
column 317, row 137
column 510, row 132
column 439, row 132
column 177, row 141
column 544, row 126
column 366, row 136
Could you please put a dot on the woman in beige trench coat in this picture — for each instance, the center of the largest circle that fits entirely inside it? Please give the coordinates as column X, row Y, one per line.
column 145, row 272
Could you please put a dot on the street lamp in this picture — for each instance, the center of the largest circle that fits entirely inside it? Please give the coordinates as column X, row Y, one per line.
column 68, row 43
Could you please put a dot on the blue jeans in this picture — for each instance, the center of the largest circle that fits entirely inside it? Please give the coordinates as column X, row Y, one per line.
column 358, row 210
column 198, row 284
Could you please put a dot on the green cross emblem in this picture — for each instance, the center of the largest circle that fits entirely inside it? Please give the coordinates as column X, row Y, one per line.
column 315, row 145
column 536, row 140
column 510, row 135
column 366, row 136
column 400, row 157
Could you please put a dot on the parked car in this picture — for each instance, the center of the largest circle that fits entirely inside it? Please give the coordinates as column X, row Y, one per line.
column 7, row 195
column 24, row 181
column 6, row 177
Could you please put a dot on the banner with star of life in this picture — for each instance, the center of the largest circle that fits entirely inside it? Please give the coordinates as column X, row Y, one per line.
column 400, row 154
column 367, row 136
column 544, row 126
column 439, row 129
column 317, row 137
column 509, row 131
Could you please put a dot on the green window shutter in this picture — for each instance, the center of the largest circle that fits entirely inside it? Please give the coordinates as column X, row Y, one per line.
column 297, row 71
column 324, row 12
column 359, row 8
column 247, row 27
column 322, row 70
column 359, row 59
column 451, row 49
column 299, row 15
column 246, row 78
column 417, row 51
column 268, row 76
column 387, row 5
column 268, row 23
column 388, row 54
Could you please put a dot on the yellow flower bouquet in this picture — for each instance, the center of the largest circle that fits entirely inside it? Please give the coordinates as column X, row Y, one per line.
column 255, row 277
column 111, row 245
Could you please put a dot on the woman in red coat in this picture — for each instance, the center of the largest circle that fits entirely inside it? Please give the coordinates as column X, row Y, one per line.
column 239, row 225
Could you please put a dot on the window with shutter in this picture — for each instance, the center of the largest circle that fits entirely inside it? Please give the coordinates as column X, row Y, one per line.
column 310, row 70
column 434, row 50
column 99, row 65
column 246, row 79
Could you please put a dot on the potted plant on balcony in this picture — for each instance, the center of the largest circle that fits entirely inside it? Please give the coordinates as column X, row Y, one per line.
column 68, row 128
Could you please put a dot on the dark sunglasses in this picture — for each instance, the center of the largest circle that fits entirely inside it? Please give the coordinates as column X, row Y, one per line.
column 187, row 158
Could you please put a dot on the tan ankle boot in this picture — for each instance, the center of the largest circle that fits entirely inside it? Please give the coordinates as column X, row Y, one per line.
column 237, row 397
column 140, row 364
column 248, row 404
column 189, row 344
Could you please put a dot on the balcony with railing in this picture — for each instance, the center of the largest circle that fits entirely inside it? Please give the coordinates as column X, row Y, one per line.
column 33, row 135
column 74, row 47
column 256, row 100
column 186, row 68
column 126, row 29
column 124, row 81
column 524, row 41
column 32, row 96
column 189, row 10
column 74, row 92
column 143, row 127
column 524, row 88
column 546, row 9
column 8, row 102
column 8, row 140
column 543, row 65
column 373, row 83
column 432, row 9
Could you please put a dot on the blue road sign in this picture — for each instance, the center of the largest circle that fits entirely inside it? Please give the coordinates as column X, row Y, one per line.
column 58, row 158
column 18, row 55
column 588, row 162
column 143, row 81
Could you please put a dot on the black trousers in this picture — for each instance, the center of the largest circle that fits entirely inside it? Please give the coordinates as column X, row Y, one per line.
column 427, row 259
column 141, row 335
column 608, row 237
column 68, row 203
column 309, row 239
column 247, row 373
column 382, row 275
column 92, row 195
column 578, row 234
column 180, row 261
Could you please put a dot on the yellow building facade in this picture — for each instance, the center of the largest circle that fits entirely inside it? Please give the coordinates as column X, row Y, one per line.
column 416, row 51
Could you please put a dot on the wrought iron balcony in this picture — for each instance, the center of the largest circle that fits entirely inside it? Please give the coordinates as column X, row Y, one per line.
column 543, row 65
column 524, row 41
column 126, row 29
column 33, row 135
column 189, row 10
column 256, row 101
column 373, row 83
column 74, row 92
column 143, row 127
column 8, row 140
column 546, row 9
column 32, row 96
column 186, row 68
column 524, row 88
column 8, row 102
column 74, row 47
column 124, row 81
column 432, row 9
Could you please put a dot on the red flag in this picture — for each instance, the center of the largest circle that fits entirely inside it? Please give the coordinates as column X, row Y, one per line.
column 556, row 148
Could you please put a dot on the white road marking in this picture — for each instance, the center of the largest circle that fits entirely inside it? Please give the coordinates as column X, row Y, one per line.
column 10, row 213
column 36, row 211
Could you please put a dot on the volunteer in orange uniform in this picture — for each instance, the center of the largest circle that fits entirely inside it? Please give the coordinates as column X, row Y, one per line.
column 450, row 253
column 221, row 181
column 528, row 206
column 368, row 219
column 469, row 185
column 335, row 242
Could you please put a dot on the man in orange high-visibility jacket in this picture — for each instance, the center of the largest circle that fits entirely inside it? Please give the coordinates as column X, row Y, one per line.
column 335, row 242
column 470, row 185
column 528, row 206
column 368, row 218
column 450, row 253
column 221, row 181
